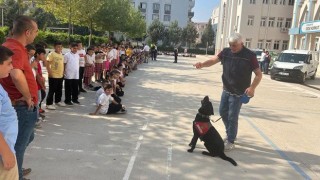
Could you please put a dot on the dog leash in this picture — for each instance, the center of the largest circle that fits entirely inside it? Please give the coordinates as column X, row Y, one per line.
column 217, row 119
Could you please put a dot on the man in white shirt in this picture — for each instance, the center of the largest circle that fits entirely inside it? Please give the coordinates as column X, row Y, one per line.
column 146, row 50
column 263, row 55
column 81, row 52
column 71, row 75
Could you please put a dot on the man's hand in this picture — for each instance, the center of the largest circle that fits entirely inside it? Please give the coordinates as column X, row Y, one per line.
column 250, row 91
column 198, row 65
column 28, row 101
column 8, row 160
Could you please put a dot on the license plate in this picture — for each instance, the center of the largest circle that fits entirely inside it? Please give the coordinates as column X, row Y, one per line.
column 284, row 73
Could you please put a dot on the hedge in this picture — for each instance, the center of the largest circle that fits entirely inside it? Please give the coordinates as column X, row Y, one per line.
column 181, row 50
column 50, row 37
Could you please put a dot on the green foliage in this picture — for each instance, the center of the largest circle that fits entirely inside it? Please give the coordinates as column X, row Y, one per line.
column 3, row 33
column 50, row 38
column 155, row 31
column 12, row 9
column 190, row 34
column 44, row 19
column 208, row 35
column 175, row 33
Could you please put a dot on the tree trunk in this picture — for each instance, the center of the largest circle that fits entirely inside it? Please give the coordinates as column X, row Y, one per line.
column 90, row 30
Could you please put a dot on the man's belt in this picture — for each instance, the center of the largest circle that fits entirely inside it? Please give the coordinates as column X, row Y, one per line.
column 19, row 103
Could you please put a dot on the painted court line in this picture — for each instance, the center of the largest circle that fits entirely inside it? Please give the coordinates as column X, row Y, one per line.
column 169, row 161
column 278, row 150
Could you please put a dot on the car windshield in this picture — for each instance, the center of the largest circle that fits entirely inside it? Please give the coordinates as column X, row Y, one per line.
column 292, row 58
column 258, row 53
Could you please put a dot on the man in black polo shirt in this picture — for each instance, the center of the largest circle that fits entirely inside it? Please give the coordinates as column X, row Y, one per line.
column 238, row 62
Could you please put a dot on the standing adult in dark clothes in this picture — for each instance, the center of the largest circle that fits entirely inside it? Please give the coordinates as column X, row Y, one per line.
column 21, row 85
column 175, row 55
column 238, row 64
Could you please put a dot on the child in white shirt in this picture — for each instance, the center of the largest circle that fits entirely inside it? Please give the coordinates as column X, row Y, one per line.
column 107, row 105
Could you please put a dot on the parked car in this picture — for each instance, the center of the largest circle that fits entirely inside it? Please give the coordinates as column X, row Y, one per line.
column 295, row 65
column 258, row 52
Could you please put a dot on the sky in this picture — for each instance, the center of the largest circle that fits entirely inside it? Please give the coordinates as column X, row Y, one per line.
column 203, row 10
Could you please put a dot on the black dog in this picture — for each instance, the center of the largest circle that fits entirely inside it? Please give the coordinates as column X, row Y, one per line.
column 203, row 129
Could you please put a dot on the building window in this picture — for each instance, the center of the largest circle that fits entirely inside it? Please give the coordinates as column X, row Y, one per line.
column 260, row 44
column 271, row 21
column 156, row 7
column 155, row 16
column 288, row 22
column 250, row 20
column 143, row 7
column 167, row 8
column 276, row 44
column 252, row 1
column 279, row 22
column 284, row 45
column 143, row 16
column 268, row 44
column 263, row 21
column 291, row 2
column 248, row 43
column 265, row 1
column 283, row 2
column 274, row 1
column 166, row 18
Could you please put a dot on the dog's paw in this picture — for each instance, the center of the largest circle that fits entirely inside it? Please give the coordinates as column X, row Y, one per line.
column 206, row 153
column 190, row 150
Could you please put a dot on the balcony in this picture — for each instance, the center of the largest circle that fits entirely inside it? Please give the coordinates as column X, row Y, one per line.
column 284, row 30
column 190, row 14
column 167, row 12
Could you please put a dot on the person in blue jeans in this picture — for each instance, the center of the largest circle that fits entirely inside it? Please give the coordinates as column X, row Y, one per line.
column 8, row 122
column 238, row 63
column 21, row 85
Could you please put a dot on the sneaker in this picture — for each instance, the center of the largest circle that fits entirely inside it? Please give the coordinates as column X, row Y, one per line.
column 51, row 107
column 228, row 146
column 226, row 139
column 41, row 111
column 61, row 104
column 76, row 102
column 38, row 125
column 26, row 171
column 69, row 103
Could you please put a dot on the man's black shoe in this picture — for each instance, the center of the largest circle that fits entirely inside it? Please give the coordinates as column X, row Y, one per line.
column 76, row 102
column 69, row 103
column 82, row 90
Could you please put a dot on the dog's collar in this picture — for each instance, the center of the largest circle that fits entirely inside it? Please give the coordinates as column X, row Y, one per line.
column 204, row 116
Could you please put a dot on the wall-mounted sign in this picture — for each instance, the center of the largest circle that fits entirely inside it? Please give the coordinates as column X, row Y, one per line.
column 310, row 27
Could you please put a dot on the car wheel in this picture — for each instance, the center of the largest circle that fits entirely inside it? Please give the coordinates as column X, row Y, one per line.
column 303, row 78
column 314, row 75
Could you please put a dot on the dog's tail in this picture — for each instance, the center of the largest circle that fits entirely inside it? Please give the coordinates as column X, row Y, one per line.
column 226, row 158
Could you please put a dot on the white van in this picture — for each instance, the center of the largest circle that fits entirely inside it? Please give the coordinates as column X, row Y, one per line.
column 296, row 65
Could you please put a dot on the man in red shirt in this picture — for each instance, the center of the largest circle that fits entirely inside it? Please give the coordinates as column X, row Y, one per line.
column 21, row 84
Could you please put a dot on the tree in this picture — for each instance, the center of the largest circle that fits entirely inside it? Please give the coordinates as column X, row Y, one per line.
column 175, row 33
column 190, row 34
column 43, row 18
column 12, row 9
column 155, row 31
column 208, row 35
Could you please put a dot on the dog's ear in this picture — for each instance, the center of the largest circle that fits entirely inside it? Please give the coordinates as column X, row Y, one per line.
column 206, row 98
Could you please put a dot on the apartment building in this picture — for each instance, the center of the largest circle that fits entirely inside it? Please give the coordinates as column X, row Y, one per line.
column 166, row 11
column 200, row 26
column 215, row 22
column 305, row 31
column 264, row 24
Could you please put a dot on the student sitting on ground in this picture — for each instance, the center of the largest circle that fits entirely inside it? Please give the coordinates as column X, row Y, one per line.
column 107, row 105
column 100, row 91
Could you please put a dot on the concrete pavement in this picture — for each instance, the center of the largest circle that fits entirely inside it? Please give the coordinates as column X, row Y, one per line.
column 150, row 141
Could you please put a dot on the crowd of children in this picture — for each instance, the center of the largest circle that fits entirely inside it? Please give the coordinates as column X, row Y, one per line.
column 100, row 68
